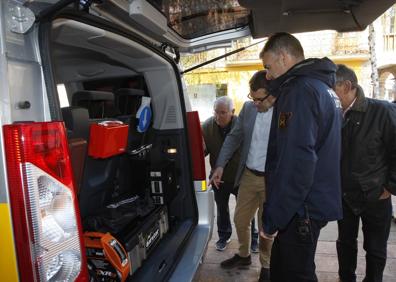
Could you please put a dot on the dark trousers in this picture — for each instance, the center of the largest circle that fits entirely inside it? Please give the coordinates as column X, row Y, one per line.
column 293, row 251
column 222, row 197
column 376, row 220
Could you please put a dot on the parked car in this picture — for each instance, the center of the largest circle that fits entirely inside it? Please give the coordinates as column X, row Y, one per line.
column 102, row 170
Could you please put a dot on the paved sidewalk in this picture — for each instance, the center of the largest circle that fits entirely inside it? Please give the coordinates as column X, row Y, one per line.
column 326, row 258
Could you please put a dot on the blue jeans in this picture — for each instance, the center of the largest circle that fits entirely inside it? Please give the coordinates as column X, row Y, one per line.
column 376, row 220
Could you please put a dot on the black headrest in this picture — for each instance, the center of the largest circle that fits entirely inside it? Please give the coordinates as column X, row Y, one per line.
column 128, row 100
column 129, row 92
column 100, row 104
column 76, row 121
column 88, row 95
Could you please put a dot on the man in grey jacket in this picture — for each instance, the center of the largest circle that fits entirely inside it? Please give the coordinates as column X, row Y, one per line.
column 250, row 134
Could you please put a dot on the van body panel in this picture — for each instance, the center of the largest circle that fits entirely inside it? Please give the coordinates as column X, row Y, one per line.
column 198, row 242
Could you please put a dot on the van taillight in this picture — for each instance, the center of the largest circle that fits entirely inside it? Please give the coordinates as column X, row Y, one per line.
column 45, row 213
column 196, row 150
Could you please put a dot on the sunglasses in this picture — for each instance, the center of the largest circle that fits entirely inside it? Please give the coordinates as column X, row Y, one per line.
column 257, row 99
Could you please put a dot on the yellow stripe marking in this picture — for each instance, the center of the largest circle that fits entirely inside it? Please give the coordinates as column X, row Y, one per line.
column 203, row 187
column 8, row 266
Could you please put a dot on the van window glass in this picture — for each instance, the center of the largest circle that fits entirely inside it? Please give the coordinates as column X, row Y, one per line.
column 191, row 19
column 63, row 100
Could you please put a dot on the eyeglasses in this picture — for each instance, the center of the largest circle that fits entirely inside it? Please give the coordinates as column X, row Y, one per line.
column 257, row 99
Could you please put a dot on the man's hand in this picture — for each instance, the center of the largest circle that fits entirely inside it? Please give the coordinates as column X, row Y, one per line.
column 216, row 177
column 268, row 236
column 385, row 195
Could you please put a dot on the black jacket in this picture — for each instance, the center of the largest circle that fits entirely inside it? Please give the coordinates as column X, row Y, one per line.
column 304, row 150
column 368, row 163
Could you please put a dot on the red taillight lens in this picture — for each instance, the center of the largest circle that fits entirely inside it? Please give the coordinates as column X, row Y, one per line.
column 45, row 214
column 196, row 145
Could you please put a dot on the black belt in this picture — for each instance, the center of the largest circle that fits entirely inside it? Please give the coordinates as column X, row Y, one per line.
column 256, row 172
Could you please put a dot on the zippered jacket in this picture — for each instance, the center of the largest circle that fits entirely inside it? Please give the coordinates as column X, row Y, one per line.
column 368, row 163
column 303, row 159
column 214, row 142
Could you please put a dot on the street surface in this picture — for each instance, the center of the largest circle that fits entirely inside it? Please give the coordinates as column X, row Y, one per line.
column 326, row 258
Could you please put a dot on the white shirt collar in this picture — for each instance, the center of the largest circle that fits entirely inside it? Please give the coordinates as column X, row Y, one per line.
column 349, row 107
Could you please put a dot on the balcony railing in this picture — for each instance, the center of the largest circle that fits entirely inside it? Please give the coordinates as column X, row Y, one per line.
column 317, row 44
column 351, row 43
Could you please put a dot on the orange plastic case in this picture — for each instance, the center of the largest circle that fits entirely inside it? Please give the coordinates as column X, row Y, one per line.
column 107, row 259
column 107, row 139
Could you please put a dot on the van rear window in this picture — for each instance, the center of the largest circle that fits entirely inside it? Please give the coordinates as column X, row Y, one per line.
column 191, row 19
column 62, row 94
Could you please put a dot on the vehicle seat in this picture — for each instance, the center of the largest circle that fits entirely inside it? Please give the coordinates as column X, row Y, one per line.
column 100, row 175
column 128, row 101
column 100, row 104
column 76, row 123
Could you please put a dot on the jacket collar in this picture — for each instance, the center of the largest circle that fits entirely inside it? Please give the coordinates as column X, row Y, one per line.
column 322, row 69
column 361, row 102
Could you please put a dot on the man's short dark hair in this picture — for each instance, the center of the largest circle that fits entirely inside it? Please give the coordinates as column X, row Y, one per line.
column 283, row 41
column 344, row 73
column 258, row 81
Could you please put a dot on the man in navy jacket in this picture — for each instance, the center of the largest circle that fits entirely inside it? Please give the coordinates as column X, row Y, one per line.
column 303, row 161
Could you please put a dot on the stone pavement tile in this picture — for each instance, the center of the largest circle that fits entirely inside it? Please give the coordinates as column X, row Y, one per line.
column 214, row 273
column 330, row 277
column 329, row 232
column 391, row 251
column 326, row 247
column 329, row 247
column 326, row 263
column 390, row 268
column 329, row 264
column 392, row 235
column 214, row 256
column 327, row 277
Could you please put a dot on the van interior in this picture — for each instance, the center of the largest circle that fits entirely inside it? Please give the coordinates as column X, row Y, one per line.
column 143, row 196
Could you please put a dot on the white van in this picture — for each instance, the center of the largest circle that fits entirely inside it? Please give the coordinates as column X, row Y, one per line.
column 102, row 174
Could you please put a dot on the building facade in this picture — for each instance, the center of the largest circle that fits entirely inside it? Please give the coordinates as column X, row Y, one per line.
column 230, row 76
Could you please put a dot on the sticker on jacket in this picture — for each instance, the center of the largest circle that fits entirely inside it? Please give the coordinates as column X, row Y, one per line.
column 284, row 118
column 334, row 96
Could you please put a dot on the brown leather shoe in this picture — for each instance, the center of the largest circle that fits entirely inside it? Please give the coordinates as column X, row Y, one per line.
column 236, row 261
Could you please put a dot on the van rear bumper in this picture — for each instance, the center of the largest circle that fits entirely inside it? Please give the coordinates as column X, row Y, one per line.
column 198, row 241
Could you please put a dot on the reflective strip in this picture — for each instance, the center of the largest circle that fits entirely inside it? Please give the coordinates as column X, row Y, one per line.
column 200, row 185
column 8, row 266
column 204, row 187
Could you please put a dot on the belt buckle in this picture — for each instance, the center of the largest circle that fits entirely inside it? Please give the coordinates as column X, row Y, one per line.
column 256, row 172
